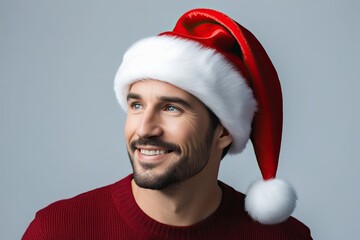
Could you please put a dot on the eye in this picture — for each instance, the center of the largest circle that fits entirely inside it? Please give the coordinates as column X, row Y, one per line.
column 171, row 108
column 135, row 106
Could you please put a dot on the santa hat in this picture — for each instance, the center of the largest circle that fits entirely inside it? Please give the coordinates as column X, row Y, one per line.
column 221, row 63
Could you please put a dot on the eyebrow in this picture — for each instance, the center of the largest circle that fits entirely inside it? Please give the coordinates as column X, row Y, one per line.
column 132, row 96
column 163, row 99
column 176, row 100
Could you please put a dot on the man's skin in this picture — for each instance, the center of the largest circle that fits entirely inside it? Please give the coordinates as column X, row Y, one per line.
column 174, row 152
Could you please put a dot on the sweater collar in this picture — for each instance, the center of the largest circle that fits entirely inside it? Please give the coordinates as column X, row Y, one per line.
column 145, row 226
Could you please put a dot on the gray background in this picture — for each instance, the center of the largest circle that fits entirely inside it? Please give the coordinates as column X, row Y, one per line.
column 61, row 129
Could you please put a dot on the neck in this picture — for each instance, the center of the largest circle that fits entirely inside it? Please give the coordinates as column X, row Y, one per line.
column 185, row 204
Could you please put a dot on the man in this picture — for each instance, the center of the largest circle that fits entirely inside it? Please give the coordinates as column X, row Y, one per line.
column 191, row 95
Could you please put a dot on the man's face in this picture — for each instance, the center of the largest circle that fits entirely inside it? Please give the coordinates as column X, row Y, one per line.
column 168, row 134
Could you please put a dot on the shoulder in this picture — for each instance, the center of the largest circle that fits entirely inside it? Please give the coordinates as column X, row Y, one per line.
column 73, row 217
column 243, row 224
column 86, row 199
column 293, row 226
column 290, row 229
column 90, row 200
column 88, row 206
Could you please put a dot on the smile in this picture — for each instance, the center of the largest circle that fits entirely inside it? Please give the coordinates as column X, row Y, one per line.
column 152, row 152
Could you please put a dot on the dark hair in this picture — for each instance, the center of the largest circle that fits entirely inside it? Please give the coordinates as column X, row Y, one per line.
column 214, row 122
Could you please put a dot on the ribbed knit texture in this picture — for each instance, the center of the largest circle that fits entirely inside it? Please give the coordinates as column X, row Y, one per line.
column 111, row 212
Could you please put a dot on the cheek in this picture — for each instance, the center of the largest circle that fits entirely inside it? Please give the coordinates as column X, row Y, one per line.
column 130, row 127
column 187, row 132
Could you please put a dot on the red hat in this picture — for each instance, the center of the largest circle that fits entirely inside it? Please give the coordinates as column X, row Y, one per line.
column 221, row 63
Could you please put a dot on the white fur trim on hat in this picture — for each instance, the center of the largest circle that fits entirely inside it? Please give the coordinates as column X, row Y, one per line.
column 201, row 71
column 271, row 201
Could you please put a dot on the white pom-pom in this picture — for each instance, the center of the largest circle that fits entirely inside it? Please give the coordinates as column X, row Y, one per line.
column 271, row 201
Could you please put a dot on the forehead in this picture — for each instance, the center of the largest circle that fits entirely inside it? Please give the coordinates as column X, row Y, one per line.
column 157, row 88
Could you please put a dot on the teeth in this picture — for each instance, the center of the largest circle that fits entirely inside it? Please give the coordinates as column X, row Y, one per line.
column 152, row 152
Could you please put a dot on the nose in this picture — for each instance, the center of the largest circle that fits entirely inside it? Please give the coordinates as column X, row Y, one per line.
column 149, row 124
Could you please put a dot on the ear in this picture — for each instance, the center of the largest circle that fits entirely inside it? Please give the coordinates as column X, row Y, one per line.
column 224, row 138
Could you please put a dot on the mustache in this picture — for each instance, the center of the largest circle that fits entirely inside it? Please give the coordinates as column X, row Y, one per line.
column 155, row 142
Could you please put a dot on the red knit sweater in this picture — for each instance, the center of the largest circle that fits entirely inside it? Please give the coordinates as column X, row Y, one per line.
column 111, row 212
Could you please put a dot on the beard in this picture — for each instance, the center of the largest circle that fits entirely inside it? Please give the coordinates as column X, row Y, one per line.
column 185, row 167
